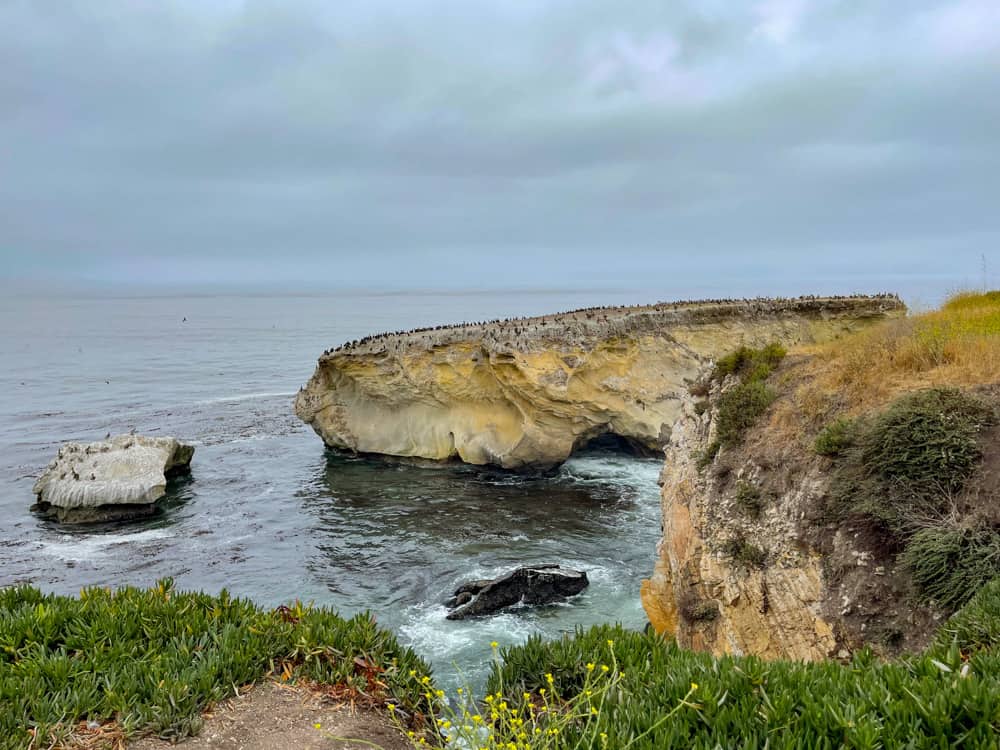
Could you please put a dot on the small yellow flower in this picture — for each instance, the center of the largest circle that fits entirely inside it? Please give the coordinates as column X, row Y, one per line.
column 590, row 666
column 425, row 680
column 493, row 644
column 694, row 685
column 611, row 643
column 392, row 707
column 548, row 678
column 317, row 725
column 605, row 668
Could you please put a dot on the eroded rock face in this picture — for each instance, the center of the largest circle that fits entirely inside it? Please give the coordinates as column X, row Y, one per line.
column 526, row 393
column 709, row 601
column 113, row 479
column 538, row 584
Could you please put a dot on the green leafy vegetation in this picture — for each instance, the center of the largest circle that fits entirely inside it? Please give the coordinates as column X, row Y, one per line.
column 903, row 469
column 905, row 464
column 928, row 701
column 154, row 659
column 745, row 553
column 750, row 364
column 949, row 565
column 976, row 626
column 926, row 442
column 835, row 438
column 741, row 405
column 739, row 408
column 749, row 498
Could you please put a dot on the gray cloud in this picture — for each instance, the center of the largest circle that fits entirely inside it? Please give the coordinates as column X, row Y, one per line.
column 441, row 142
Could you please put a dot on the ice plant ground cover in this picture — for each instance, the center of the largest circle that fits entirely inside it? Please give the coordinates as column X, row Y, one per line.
column 153, row 660
column 947, row 696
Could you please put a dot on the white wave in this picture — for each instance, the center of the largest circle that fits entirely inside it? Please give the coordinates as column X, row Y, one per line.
column 642, row 474
column 80, row 548
column 243, row 397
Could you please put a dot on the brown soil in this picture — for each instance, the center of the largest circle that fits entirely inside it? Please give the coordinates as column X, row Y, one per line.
column 275, row 717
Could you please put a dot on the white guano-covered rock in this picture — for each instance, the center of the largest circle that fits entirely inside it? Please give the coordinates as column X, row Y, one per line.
column 110, row 479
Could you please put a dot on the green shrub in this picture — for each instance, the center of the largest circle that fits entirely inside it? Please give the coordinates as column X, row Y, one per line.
column 974, row 627
column 926, row 442
column 749, row 498
column 835, row 438
column 739, row 408
column 745, row 553
column 750, row 364
column 905, row 463
column 949, row 566
column 155, row 659
column 922, row 702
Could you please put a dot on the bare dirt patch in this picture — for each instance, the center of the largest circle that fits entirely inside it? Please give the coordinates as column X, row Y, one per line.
column 274, row 717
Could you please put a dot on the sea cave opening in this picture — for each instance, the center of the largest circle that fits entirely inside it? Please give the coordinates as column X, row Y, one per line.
column 612, row 442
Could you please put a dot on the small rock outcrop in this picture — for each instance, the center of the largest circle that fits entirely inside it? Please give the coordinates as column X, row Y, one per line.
column 538, row 584
column 115, row 479
column 525, row 393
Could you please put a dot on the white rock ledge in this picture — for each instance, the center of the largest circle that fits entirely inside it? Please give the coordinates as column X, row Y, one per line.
column 113, row 479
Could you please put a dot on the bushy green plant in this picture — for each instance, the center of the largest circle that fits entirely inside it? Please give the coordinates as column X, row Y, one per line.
column 975, row 627
column 739, row 408
column 748, row 363
column 749, row 498
column 835, row 438
column 926, row 442
column 929, row 701
column 905, row 463
column 950, row 565
column 745, row 553
column 155, row 659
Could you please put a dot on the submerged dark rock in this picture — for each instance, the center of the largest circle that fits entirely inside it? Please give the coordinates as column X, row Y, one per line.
column 536, row 584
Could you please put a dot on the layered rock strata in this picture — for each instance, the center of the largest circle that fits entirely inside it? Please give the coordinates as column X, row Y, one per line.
column 526, row 393
column 114, row 479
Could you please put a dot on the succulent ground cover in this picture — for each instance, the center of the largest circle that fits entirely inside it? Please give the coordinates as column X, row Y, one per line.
column 150, row 661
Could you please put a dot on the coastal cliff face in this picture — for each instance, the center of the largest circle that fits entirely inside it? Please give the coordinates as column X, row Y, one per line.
column 527, row 393
column 711, row 600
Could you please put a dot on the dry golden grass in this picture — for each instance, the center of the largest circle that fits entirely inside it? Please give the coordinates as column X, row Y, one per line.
column 957, row 345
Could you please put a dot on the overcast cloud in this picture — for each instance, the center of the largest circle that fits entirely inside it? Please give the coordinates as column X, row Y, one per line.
column 498, row 141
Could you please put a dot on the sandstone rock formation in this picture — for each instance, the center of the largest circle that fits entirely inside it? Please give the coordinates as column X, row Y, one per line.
column 537, row 584
column 527, row 393
column 113, row 479
column 707, row 600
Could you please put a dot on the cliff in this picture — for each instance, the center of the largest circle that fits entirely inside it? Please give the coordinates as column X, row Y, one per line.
column 858, row 506
column 527, row 392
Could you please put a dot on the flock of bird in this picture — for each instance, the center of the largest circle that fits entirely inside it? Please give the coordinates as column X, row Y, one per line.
column 519, row 325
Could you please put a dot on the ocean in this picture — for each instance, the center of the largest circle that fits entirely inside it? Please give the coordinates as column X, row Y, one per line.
column 268, row 513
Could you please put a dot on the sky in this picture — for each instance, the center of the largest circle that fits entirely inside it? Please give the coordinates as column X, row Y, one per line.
column 494, row 143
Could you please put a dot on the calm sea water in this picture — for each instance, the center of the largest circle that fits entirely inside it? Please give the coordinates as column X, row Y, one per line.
column 268, row 513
